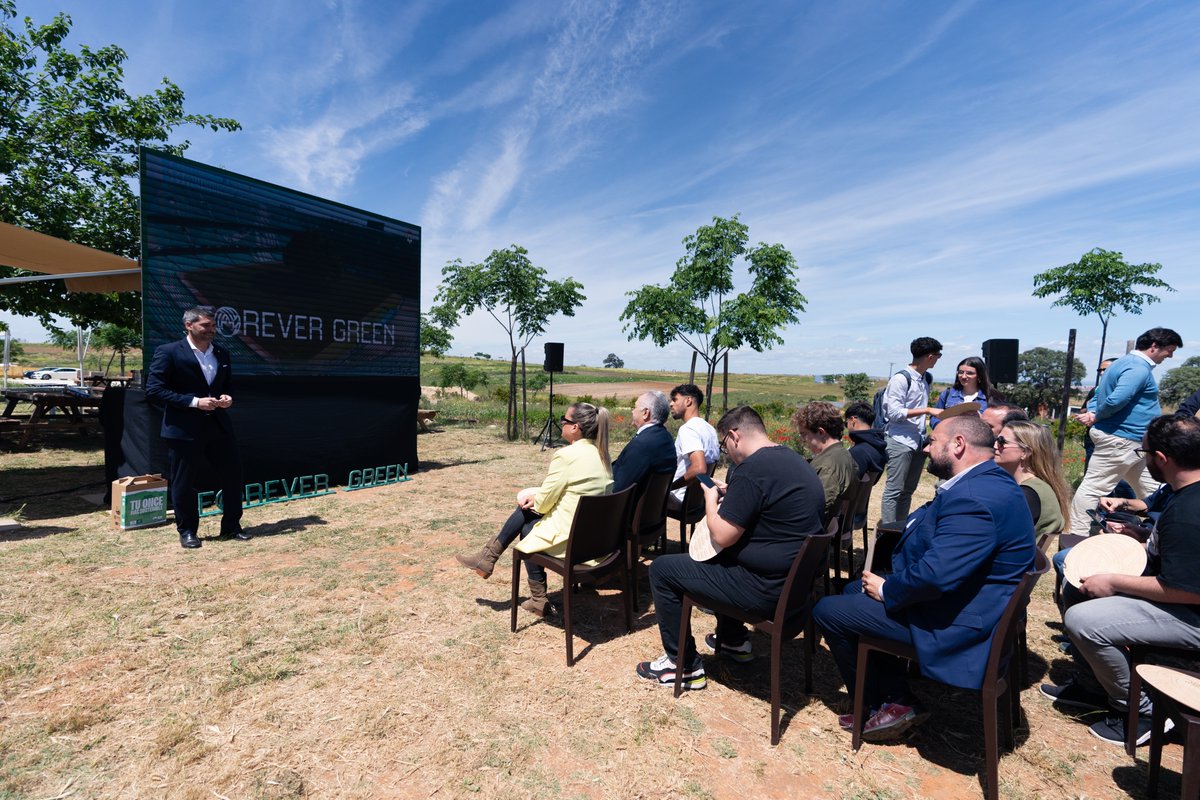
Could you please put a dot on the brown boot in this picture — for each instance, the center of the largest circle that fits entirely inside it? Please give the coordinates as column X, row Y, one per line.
column 538, row 604
column 484, row 561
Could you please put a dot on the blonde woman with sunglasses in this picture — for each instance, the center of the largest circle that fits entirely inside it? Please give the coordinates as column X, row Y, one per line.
column 1027, row 451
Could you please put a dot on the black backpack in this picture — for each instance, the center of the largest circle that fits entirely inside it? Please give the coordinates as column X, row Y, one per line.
column 877, row 405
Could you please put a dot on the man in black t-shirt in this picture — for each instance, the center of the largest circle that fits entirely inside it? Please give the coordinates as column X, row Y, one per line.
column 756, row 523
column 1160, row 607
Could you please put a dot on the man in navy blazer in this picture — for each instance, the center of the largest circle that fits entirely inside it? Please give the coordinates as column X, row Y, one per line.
column 955, row 567
column 191, row 379
column 651, row 449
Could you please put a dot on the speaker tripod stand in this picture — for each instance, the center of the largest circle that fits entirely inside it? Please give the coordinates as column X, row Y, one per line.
column 551, row 431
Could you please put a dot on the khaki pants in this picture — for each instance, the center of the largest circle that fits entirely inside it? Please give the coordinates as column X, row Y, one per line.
column 1112, row 460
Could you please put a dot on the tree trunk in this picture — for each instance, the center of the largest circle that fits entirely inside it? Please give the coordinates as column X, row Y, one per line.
column 1103, row 340
column 512, row 431
column 524, row 399
column 710, row 376
column 725, row 384
column 692, row 372
column 122, row 362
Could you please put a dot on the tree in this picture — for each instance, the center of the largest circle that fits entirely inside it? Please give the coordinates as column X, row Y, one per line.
column 69, row 137
column 613, row 361
column 1100, row 283
column 513, row 292
column 1040, row 378
column 857, row 386
column 451, row 375
column 15, row 350
column 484, row 356
column 435, row 337
column 692, row 307
column 1180, row 382
column 118, row 339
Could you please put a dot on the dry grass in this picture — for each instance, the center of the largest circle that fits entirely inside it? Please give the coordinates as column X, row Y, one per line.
column 343, row 653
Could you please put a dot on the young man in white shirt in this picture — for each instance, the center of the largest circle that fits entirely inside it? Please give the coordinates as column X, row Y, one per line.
column 906, row 409
column 696, row 445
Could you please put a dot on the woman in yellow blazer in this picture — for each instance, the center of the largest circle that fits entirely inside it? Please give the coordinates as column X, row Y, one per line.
column 543, row 517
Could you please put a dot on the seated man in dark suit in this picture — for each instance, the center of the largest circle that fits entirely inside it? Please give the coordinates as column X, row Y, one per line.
column 651, row 449
column 957, row 564
column 191, row 380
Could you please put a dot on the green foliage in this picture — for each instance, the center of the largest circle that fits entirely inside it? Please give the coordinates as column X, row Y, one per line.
column 465, row 378
column 692, row 307
column 435, row 337
column 484, row 356
column 69, row 137
column 1180, row 382
column 15, row 350
column 612, row 360
column 513, row 292
column 537, row 381
column 120, row 340
column 1101, row 283
column 857, row 386
column 1040, row 374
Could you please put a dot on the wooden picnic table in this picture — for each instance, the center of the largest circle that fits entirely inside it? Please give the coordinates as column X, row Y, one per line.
column 46, row 404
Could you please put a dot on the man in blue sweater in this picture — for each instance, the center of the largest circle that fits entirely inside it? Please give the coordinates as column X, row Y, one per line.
column 1125, row 402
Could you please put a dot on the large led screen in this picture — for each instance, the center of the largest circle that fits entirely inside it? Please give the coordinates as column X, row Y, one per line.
column 302, row 286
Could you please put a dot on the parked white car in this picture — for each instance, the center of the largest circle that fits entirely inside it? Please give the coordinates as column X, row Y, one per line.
column 56, row 374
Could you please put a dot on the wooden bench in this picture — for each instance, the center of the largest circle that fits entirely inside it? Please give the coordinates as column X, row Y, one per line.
column 424, row 417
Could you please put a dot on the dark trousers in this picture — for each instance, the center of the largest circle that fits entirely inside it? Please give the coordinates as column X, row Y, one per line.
column 674, row 575
column 844, row 618
column 220, row 449
column 518, row 525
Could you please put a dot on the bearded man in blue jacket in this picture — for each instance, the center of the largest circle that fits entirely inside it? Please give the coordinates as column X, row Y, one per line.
column 956, row 566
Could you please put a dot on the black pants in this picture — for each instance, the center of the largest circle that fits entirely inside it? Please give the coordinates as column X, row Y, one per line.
column 672, row 576
column 219, row 448
column 517, row 526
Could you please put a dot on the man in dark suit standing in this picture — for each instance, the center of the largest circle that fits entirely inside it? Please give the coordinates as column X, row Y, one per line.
column 651, row 449
column 959, row 560
column 190, row 379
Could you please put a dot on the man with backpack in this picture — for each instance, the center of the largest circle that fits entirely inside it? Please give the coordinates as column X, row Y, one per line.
column 905, row 409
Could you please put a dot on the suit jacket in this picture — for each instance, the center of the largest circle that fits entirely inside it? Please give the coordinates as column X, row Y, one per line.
column 175, row 379
column 576, row 470
column 955, row 567
column 651, row 450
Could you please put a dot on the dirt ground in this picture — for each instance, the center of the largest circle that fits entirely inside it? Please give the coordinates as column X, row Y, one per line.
column 344, row 653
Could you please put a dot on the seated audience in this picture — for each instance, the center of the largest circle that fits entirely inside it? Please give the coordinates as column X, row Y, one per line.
column 999, row 413
column 757, row 522
column 956, row 566
column 869, row 448
column 1029, row 453
column 970, row 386
column 1160, row 607
column 696, row 447
column 543, row 517
column 819, row 425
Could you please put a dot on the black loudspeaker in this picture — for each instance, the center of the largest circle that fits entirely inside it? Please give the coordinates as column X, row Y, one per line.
column 1001, row 358
column 554, row 357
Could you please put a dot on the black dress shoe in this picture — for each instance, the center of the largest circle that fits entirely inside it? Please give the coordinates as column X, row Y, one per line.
column 189, row 540
column 237, row 533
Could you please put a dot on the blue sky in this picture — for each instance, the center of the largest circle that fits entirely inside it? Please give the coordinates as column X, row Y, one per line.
column 921, row 160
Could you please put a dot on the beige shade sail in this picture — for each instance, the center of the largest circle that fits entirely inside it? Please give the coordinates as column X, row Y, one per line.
column 49, row 255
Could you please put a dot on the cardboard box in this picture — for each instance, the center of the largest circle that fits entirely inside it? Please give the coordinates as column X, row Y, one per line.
column 139, row 501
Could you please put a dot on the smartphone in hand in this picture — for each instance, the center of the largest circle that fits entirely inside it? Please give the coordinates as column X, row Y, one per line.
column 705, row 481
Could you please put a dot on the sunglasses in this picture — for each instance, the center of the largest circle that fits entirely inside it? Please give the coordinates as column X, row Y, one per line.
column 566, row 421
column 1002, row 443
